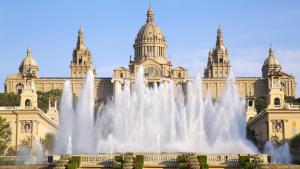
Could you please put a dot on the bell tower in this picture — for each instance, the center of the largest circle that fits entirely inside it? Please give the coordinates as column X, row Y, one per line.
column 276, row 93
column 218, row 64
column 82, row 58
column 28, row 95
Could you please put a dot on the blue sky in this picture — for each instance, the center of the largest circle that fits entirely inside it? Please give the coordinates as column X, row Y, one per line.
column 50, row 28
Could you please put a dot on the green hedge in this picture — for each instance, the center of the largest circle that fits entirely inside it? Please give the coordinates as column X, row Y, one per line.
column 245, row 162
column 204, row 166
column 182, row 165
column 182, row 158
column 139, row 161
column 5, row 162
column 249, row 165
column 119, row 158
column 203, row 161
column 117, row 165
column 72, row 166
column 74, row 162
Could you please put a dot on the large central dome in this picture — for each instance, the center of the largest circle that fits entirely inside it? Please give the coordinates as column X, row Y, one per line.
column 150, row 42
column 150, row 32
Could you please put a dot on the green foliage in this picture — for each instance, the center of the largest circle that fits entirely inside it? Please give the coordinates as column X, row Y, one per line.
column 117, row 165
column 74, row 162
column 11, row 152
column 43, row 98
column 251, row 135
column 4, row 135
column 260, row 103
column 49, row 141
column 204, row 166
column 183, row 166
column 5, row 162
column 76, row 159
column 119, row 158
column 295, row 144
column 202, row 159
column 243, row 160
column 9, row 99
column 139, row 161
column 72, row 166
column 182, row 158
column 250, row 165
column 292, row 100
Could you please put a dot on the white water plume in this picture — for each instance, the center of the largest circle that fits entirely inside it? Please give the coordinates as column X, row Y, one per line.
column 165, row 118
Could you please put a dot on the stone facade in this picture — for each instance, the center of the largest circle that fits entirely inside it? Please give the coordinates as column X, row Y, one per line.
column 27, row 122
column 279, row 121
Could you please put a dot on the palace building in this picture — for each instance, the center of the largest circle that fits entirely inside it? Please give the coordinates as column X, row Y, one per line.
column 150, row 52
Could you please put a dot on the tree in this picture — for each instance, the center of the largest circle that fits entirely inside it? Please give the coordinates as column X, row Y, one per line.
column 43, row 98
column 260, row 103
column 9, row 99
column 49, row 141
column 292, row 100
column 4, row 135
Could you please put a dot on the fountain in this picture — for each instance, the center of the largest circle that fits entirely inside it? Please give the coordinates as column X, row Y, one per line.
column 165, row 118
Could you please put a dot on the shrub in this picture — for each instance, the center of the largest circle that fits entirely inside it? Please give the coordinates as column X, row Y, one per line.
column 119, row 158
column 249, row 165
column 76, row 159
column 74, row 162
column 260, row 103
column 204, row 166
column 182, row 165
column 243, row 160
column 117, row 165
column 139, row 161
column 72, row 166
column 182, row 158
column 202, row 159
column 9, row 99
column 6, row 162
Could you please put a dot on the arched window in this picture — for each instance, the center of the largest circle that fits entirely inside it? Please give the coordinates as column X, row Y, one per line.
column 52, row 103
column 27, row 103
column 276, row 101
column 250, row 103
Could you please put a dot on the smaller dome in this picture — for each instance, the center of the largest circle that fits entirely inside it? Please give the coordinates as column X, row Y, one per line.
column 28, row 60
column 271, row 60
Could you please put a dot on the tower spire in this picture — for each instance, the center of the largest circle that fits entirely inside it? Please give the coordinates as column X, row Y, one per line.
column 150, row 14
column 80, row 38
column 220, row 41
column 270, row 50
column 29, row 52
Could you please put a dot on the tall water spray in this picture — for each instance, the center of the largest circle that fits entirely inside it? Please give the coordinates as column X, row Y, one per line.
column 66, row 120
column 165, row 118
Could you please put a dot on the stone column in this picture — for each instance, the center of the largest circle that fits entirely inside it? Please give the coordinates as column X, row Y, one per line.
column 117, row 88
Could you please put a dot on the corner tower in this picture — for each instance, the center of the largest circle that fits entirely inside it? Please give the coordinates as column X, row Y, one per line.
column 82, row 58
column 218, row 64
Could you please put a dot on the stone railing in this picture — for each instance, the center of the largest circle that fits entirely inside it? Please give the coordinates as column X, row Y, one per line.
column 104, row 160
column 168, row 159
column 152, row 160
column 223, row 159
